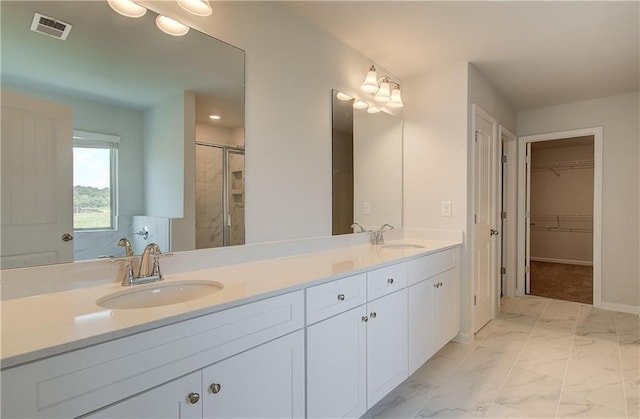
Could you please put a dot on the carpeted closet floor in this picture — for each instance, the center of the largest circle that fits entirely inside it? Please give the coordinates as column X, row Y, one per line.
column 562, row 281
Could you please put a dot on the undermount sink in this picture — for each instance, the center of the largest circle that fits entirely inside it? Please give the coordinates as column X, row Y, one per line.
column 401, row 246
column 159, row 294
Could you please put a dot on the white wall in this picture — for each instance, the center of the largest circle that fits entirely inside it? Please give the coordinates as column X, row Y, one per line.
column 218, row 135
column 291, row 67
column 619, row 116
column 377, row 169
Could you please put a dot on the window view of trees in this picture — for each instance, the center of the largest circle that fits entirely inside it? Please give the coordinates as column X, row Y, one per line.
column 91, row 207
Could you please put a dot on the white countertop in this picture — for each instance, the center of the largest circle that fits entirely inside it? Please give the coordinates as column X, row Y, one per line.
column 49, row 324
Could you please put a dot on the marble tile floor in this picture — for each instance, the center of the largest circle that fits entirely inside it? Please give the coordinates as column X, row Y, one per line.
column 540, row 358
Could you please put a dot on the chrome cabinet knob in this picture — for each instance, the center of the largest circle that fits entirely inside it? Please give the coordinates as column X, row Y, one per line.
column 373, row 315
column 67, row 237
column 215, row 388
column 340, row 297
column 494, row 232
column 365, row 319
column 390, row 281
column 193, row 398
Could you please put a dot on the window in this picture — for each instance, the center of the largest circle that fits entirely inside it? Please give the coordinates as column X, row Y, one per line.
column 94, row 180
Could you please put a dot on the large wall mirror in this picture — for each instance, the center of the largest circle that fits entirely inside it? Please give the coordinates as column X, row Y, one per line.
column 102, row 131
column 367, row 167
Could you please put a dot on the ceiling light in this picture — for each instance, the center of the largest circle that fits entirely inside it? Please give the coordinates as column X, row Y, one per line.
column 196, row 7
column 127, row 8
column 170, row 26
column 370, row 84
column 382, row 88
column 216, row 117
column 384, row 92
column 342, row 96
column 373, row 109
column 396, row 99
column 358, row 104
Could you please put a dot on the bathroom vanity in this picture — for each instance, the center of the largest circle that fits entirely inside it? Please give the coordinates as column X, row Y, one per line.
column 325, row 334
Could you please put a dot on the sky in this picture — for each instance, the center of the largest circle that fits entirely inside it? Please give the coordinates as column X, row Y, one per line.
column 91, row 167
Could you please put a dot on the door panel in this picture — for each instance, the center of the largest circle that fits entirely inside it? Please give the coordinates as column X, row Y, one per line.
column 37, row 191
column 485, row 218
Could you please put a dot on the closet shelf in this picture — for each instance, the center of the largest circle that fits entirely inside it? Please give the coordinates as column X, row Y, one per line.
column 573, row 223
column 556, row 166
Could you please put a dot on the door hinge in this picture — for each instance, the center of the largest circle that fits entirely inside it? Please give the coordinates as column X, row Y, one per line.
column 475, row 218
column 503, row 270
column 503, row 214
column 504, row 159
column 476, row 138
column 475, row 300
column 526, row 159
column 526, row 269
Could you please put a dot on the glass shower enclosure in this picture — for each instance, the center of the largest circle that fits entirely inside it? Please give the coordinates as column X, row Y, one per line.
column 219, row 195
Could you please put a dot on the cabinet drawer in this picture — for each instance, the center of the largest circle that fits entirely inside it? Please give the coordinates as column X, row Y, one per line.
column 386, row 280
column 335, row 297
column 430, row 265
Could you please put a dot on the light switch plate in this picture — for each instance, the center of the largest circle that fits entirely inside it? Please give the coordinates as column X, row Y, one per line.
column 445, row 208
column 366, row 208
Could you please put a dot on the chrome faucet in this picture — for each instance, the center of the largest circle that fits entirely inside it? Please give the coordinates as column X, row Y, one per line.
column 149, row 270
column 357, row 225
column 149, row 264
column 124, row 242
column 377, row 237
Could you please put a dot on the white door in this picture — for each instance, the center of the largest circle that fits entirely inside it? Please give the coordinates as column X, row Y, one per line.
column 178, row 399
column 37, row 192
column 485, row 272
column 264, row 382
column 527, row 219
column 387, row 352
column 337, row 366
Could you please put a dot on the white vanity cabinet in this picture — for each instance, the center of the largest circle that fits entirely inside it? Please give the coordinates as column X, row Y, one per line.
column 177, row 399
column 267, row 381
column 360, row 354
column 433, row 312
column 232, row 340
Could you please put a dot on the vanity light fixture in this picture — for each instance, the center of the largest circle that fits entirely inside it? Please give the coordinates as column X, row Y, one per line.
column 343, row 96
column 196, row 7
column 373, row 109
column 170, row 26
column 127, row 8
column 358, row 104
column 382, row 88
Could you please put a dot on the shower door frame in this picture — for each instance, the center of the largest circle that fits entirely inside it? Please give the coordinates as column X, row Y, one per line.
column 226, row 201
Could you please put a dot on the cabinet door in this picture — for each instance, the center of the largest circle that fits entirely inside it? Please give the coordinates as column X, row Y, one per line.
column 386, row 345
column 266, row 381
column 421, row 323
column 336, row 366
column 180, row 398
column 445, row 305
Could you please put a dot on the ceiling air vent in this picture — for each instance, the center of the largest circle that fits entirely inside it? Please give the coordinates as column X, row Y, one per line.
column 49, row 26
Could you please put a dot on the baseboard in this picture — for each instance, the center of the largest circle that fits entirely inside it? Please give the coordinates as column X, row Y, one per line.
column 464, row 338
column 564, row 261
column 624, row 308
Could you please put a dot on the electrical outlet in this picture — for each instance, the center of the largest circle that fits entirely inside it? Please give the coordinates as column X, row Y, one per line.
column 445, row 208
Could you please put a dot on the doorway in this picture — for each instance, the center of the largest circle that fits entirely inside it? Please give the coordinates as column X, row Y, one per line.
column 561, row 219
column 566, row 230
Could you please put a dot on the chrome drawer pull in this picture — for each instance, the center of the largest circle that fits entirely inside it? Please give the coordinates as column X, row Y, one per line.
column 340, row 297
column 390, row 281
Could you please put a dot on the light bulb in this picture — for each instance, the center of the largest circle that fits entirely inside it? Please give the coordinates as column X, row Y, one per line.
column 370, row 83
column 373, row 109
column 127, row 8
column 396, row 99
column 384, row 93
column 342, row 96
column 196, row 7
column 170, row 26
column 358, row 104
